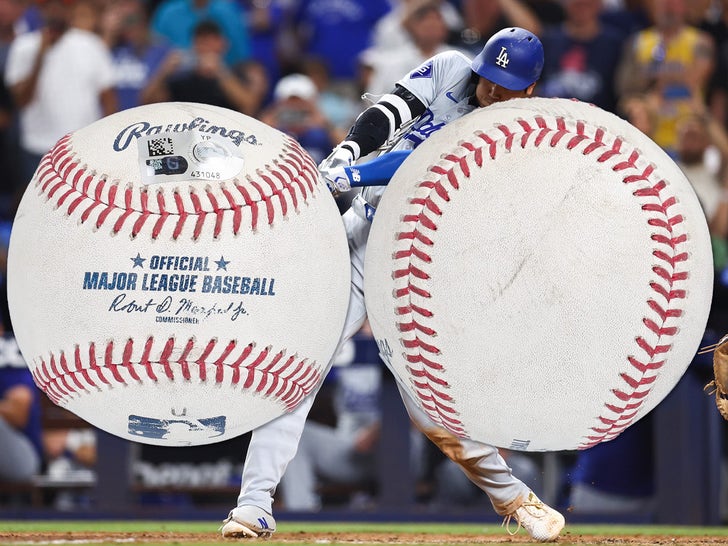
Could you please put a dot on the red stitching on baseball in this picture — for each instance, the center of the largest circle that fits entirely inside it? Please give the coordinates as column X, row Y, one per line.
column 60, row 177
column 419, row 340
column 508, row 143
column 561, row 130
column 288, row 380
column 490, row 142
column 411, row 288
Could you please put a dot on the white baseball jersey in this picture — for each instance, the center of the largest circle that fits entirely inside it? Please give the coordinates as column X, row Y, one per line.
column 444, row 84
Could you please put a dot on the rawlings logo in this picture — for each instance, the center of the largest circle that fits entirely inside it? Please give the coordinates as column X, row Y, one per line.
column 143, row 128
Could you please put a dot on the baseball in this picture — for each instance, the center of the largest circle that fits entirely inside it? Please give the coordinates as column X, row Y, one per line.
column 177, row 274
column 538, row 275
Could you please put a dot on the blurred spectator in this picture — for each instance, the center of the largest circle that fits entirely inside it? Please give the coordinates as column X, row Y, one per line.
column 136, row 53
column 672, row 61
column 16, row 17
column 20, row 430
column 718, row 89
column 11, row 21
column 339, row 108
column 295, row 111
column 422, row 21
column 697, row 11
column 388, row 35
column 698, row 135
column 640, row 111
column 176, row 20
column 71, row 454
column 86, row 15
column 337, row 32
column 548, row 12
column 343, row 452
column 626, row 16
column 11, row 25
column 266, row 20
column 200, row 75
column 11, row 180
column 255, row 77
column 61, row 79
column 616, row 477
column 21, row 447
column 582, row 56
column 483, row 18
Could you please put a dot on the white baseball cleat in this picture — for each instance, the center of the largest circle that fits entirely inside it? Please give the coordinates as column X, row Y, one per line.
column 540, row 521
column 248, row 522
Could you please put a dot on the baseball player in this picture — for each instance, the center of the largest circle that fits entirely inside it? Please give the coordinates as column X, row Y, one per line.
column 442, row 89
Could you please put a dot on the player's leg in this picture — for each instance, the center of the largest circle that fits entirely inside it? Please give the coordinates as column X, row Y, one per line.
column 323, row 453
column 273, row 445
column 480, row 462
column 484, row 466
column 299, row 481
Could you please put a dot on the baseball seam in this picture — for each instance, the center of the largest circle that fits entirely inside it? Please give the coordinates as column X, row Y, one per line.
column 62, row 177
column 284, row 184
column 410, row 269
column 263, row 371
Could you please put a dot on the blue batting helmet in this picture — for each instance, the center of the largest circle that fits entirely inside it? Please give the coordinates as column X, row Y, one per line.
column 511, row 58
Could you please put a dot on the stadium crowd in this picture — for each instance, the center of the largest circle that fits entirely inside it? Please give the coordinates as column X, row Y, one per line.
column 308, row 67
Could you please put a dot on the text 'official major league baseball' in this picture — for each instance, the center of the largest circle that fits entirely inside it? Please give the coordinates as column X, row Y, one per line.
column 176, row 280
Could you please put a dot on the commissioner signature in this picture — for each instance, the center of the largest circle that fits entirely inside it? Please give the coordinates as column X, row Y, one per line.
column 181, row 307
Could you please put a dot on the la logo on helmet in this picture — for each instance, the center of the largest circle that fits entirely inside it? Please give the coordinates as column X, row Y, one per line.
column 502, row 58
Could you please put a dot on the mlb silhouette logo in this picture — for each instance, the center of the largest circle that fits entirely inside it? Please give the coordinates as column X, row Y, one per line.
column 182, row 429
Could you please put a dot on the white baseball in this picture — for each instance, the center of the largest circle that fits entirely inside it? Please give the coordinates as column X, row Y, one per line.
column 177, row 274
column 538, row 275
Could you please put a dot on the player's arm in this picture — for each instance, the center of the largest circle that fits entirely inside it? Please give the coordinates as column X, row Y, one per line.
column 380, row 121
column 372, row 128
column 376, row 172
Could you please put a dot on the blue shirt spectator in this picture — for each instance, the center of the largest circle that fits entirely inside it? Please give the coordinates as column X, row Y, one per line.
column 136, row 53
column 336, row 31
column 177, row 19
column 265, row 26
column 581, row 69
column 134, row 67
column 581, row 56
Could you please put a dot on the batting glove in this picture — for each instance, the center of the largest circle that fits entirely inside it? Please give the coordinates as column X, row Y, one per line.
column 332, row 168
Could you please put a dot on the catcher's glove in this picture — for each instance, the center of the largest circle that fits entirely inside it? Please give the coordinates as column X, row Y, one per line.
column 719, row 385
